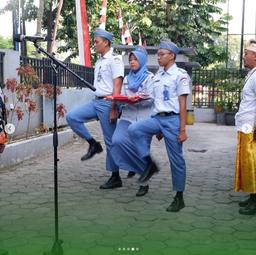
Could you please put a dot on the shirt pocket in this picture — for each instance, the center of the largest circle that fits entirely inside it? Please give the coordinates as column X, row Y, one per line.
column 165, row 91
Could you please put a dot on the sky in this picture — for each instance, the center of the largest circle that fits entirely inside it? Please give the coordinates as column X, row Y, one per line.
column 235, row 9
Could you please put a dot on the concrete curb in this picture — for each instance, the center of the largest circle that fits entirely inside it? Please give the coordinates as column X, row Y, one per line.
column 17, row 152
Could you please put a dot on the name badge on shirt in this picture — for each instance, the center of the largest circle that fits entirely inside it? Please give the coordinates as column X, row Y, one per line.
column 166, row 93
column 99, row 76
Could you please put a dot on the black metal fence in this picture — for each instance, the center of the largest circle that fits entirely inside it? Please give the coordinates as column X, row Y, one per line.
column 210, row 87
column 217, row 87
column 1, row 69
column 45, row 72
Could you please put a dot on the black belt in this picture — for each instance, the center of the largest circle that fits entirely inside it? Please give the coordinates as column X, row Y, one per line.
column 167, row 113
column 96, row 97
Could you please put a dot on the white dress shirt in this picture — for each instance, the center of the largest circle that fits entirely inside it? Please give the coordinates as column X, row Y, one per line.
column 107, row 68
column 246, row 115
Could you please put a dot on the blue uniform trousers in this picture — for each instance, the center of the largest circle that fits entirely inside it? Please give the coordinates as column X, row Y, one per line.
column 169, row 126
column 96, row 109
column 124, row 150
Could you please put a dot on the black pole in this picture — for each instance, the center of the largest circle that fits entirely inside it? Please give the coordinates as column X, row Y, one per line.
column 55, row 64
column 242, row 37
column 15, row 28
column 227, row 41
column 57, row 248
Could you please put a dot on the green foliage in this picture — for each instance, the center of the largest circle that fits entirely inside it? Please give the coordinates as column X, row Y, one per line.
column 5, row 43
column 188, row 23
column 29, row 9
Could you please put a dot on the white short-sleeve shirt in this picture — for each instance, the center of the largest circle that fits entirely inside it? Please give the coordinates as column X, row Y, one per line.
column 246, row 115
column 107, row 68
column 167, row 87
column 142, row 109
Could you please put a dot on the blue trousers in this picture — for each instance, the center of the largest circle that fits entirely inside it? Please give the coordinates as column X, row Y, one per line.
column 169, row 126
column 126, row 156
column 96, row 109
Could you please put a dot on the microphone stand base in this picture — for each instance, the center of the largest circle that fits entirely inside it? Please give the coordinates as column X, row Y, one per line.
column 56, row 249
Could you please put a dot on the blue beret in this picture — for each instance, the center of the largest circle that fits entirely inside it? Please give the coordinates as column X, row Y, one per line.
column 103, row 33
column 169, row 45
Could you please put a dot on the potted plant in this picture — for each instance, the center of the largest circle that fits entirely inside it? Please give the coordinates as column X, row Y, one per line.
column 230, row 112
column 219, row 108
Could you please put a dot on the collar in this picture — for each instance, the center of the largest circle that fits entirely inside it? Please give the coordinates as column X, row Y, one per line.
column 107, row 54
column 248, row 76
column 252, row 71
column 170, row 70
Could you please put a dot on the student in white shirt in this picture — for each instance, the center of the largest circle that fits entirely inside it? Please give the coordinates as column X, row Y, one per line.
column 108, row 78
column 170, row 89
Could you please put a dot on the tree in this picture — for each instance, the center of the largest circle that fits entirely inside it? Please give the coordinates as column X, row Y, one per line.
column 5, row 43
column 57, row 19
column 189, row 23
column 28, row 13
column 40, row 13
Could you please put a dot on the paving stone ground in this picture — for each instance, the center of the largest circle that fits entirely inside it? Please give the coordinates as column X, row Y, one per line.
column 94, row 221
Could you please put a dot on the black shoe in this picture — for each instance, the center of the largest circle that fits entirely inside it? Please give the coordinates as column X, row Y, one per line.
column 143, row 190
column 176, row 205
column 249, row 209
column 244, row 203
column 93, row 149
column 130, row 174
column 113, row 182
column 149, row 171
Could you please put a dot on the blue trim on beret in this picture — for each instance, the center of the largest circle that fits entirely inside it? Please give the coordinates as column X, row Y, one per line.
column 168, row 45
column 103, row 33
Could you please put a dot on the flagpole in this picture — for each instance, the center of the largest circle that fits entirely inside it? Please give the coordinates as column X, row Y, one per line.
column 242, row 37
column 83, row 36
column 103, row 14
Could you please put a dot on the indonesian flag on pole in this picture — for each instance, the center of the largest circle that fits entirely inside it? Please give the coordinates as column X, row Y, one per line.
column 140, row 40
column 121, row 26
column 120, row 19
column 127, row 35
column 103, row 14
column 83, row 36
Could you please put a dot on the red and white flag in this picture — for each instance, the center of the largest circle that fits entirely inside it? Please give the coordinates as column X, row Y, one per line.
column 121, row 26
column 83, row 36
column 140, row 40
column 120, row 19
column 103, row 14
column 127, row 35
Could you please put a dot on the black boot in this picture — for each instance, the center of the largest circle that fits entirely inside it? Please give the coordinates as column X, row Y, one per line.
column 245, row 202
column 130, row 174
column 95, row 147
column 143, row 190
column 150, row 169
column 177, row 204
column 113, row 182
column 250, row 208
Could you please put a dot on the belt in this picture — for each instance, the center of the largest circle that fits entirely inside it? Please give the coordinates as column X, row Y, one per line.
column 96, row 97
column 167, row 113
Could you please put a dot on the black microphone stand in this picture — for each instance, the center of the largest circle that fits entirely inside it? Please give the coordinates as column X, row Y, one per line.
column 57, row 248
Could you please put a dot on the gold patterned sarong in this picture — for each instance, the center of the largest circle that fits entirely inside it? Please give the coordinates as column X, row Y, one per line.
column 245, row 171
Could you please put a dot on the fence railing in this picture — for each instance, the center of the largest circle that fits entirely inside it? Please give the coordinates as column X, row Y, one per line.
column 1, row 69
column 211, row 87
column 45, row 72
